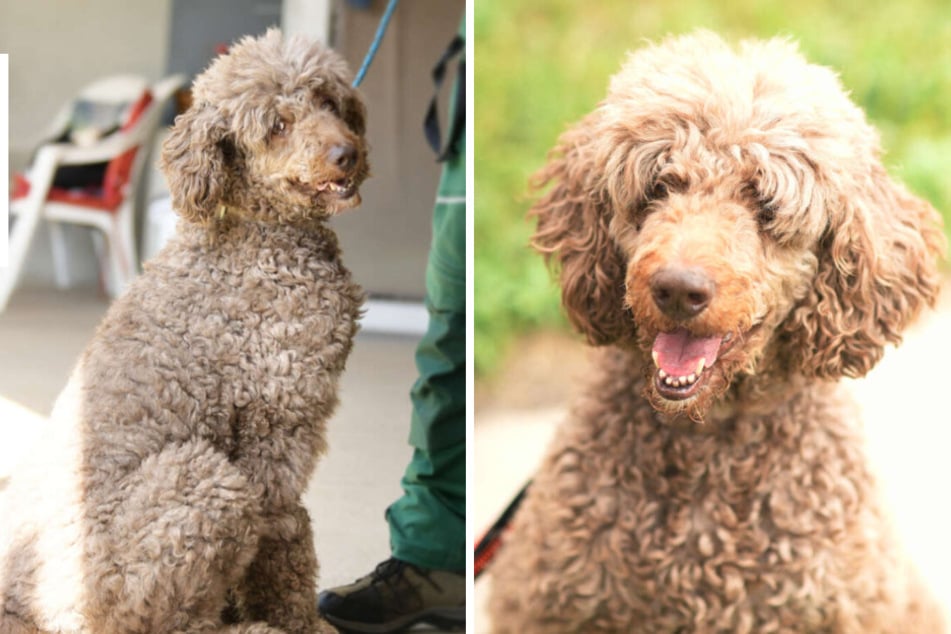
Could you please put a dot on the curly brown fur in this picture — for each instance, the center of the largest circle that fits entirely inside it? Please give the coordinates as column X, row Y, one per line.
column 727, row 205
column 165, row 496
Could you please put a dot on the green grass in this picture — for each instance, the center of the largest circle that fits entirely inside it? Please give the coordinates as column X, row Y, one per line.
column 542, row 64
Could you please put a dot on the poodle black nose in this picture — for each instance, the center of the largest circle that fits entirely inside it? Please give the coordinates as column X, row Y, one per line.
column 681, row 293
column 343, row 156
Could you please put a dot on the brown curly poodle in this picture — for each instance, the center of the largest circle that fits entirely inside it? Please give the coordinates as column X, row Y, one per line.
column 165, row 496
column 723, row 225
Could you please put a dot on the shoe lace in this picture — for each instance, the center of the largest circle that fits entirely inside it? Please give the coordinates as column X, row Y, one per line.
column 390, row 573
column 388, row 569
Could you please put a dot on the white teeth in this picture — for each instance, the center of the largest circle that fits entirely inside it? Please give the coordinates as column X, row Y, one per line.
column 654, row 357
column 677, row 381
column 334, row 187
column 680, row 381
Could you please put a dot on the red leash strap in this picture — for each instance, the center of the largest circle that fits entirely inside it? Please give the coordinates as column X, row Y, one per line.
column 491, row 541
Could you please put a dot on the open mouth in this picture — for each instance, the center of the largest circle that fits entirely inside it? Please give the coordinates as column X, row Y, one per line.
column 684, row 362
column 341, row 188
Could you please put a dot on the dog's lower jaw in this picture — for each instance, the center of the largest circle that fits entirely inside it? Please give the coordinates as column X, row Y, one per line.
column 696, row 407
column 737, row 392
column 329, row 204
column 725, row 385
column 330, row 197
column 340, row 205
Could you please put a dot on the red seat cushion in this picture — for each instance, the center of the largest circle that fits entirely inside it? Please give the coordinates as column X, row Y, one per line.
column 110, row 195
column 119, row 170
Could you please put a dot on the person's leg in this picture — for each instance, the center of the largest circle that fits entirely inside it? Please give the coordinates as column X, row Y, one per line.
column 427, row 524
column 424, row 580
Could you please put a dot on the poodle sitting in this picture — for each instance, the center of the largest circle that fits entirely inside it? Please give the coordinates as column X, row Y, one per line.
column 724, row 227
column 165, row 496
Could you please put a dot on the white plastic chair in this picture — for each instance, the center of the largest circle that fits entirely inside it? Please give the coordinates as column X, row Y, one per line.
column 115, row 220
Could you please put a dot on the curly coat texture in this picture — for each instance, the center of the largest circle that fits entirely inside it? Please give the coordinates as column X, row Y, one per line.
column 165, row 496
column 727, row 204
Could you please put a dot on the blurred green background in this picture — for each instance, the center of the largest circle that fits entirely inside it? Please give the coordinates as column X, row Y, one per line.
column 540, row 65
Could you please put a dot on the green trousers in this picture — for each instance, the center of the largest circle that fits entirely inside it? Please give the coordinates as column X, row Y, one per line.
column 427, row 524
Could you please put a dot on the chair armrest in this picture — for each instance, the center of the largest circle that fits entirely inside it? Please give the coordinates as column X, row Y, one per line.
column 53, row 155
column 105, row 149
column 163, row 89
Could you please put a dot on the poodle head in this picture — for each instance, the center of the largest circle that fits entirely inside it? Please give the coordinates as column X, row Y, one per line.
column 275, row 133
column 726, row 212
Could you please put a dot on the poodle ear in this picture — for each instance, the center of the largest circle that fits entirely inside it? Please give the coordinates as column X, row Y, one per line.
column 573, row 233
column 194, row 159
column 877, row 268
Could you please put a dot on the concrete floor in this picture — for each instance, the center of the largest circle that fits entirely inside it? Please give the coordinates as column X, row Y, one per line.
column 43, row 331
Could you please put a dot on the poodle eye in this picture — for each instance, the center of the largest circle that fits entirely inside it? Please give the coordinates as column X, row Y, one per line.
column 328, row 104
column 280, row 128
column 764, row 205
column 664, row 187
column 767, row 212
column 658, row 191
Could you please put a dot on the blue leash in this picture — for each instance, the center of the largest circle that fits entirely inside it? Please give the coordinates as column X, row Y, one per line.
column 375, row 44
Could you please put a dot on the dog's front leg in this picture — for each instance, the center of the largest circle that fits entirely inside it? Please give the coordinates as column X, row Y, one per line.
column 281, row 584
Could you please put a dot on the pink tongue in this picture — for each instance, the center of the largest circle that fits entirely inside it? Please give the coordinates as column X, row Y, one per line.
column 679, row 352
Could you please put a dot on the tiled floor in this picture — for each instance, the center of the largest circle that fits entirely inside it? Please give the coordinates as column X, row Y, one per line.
column 43, row 331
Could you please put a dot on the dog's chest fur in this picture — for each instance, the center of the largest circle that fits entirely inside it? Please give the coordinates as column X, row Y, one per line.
column 697, row 523
column 253, row 370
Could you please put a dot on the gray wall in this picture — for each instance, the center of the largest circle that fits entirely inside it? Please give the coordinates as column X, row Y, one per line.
column 199, row 25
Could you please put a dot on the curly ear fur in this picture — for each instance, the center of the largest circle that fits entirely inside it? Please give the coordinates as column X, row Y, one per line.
column 573, row 231
column 194, row 160
column 877, row 269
